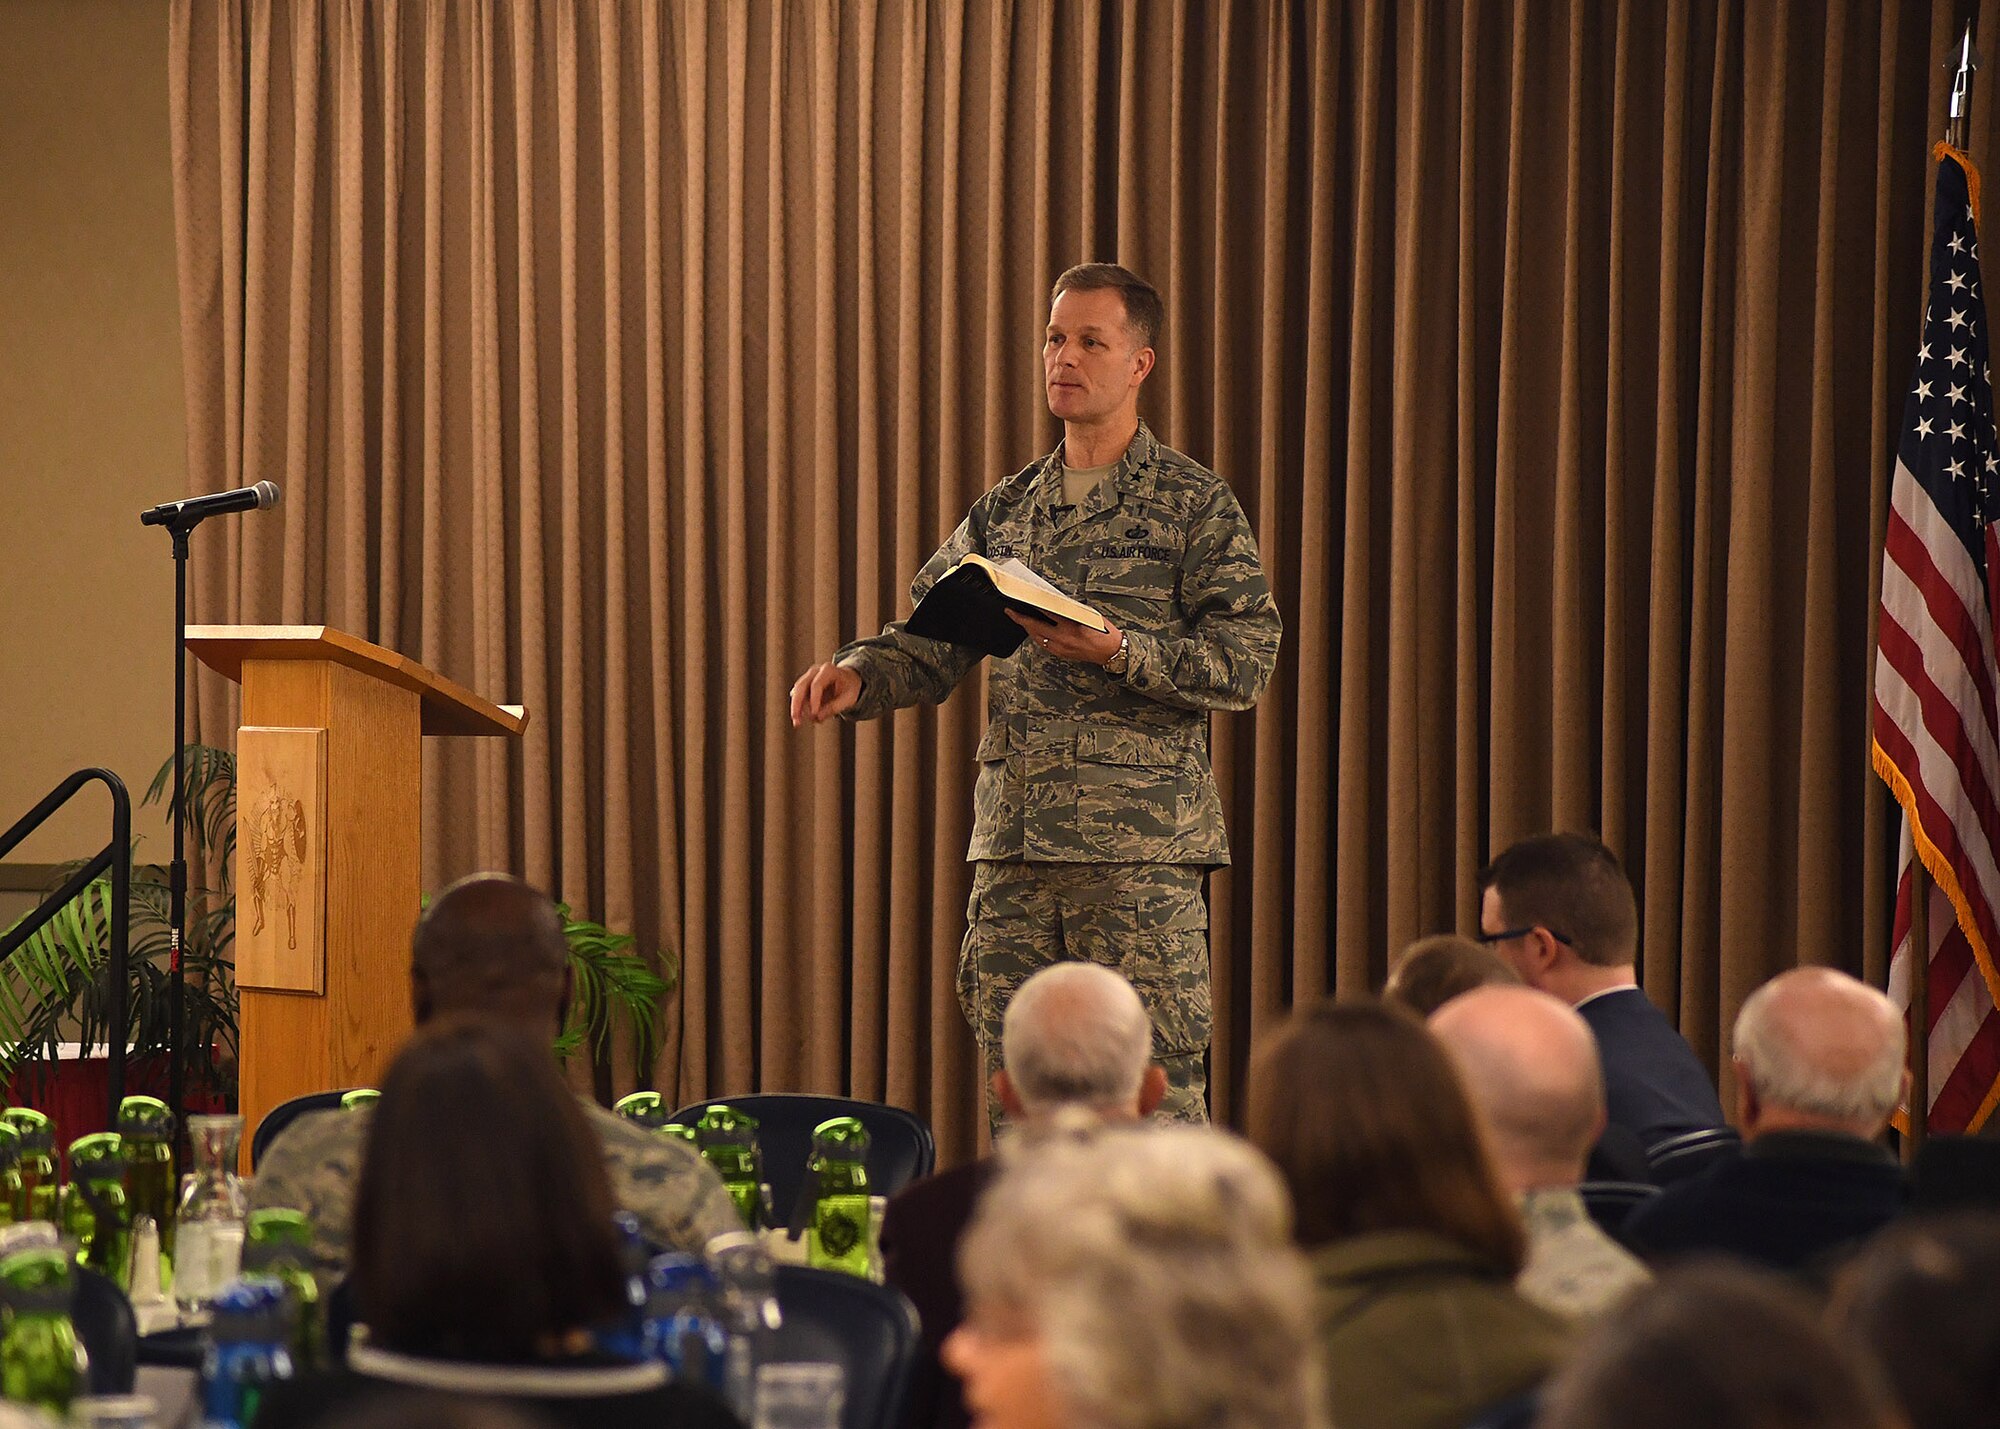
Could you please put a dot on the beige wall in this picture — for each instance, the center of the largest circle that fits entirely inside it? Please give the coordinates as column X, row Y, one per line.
column 90, row 406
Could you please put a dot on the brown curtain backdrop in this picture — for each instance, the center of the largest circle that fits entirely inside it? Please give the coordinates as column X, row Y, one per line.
column 621, row 358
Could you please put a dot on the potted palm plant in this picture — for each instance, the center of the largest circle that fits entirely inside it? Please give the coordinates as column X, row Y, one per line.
column 55, row 987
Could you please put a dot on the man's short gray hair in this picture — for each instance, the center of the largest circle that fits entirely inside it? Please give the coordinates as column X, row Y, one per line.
column 1076, row 1034
column 1157, row 1266
column 1817, row 1041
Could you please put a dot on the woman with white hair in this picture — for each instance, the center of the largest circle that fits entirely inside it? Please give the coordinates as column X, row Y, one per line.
column 1138, row 1278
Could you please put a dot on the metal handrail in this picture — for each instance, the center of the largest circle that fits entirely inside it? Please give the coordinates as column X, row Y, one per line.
column 115, row 856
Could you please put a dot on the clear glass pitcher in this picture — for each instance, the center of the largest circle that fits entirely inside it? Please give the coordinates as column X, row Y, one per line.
column 210, row 1241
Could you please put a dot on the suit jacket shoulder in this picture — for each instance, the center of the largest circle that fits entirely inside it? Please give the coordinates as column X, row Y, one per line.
column 1653, row 1083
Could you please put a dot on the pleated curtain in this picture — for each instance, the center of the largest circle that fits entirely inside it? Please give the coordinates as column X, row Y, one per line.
column 622, row 358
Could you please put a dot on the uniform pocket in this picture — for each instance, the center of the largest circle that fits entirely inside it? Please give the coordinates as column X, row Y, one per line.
column 1130, row 791
column 1002, row 949
column 1168, row 967
column 1141, row 591
column 992, row 743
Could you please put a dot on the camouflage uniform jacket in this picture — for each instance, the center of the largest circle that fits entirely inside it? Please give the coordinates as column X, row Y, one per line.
column 313, row 1166
column 1077, row 765
column 1574, row 1269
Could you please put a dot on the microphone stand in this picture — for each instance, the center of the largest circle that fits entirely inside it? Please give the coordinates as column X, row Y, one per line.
column 180, row 518
column 177, row 871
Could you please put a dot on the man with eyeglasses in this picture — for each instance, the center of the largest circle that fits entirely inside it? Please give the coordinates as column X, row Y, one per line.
column 1560, row 910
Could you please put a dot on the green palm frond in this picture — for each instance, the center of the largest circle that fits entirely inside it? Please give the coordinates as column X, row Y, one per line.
column 209, row 796
column 611, row 984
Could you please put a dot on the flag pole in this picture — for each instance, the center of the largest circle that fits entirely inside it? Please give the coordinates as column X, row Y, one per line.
column 1920, row 1010
column 1958, row 118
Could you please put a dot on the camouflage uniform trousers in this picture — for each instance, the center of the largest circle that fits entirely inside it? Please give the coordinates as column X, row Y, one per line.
column 1147, row 921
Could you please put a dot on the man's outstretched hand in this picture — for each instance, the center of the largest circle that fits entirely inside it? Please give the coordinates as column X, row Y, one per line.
column 824, row 692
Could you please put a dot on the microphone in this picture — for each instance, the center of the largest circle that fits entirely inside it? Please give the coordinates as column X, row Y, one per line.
column 217, row 503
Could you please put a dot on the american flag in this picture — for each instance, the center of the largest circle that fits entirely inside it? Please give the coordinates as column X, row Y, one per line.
column 1937, row 734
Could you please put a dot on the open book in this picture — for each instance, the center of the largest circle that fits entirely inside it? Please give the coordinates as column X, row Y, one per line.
column 969, row 604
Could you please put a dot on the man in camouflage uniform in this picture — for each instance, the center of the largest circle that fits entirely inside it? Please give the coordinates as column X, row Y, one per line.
column 1095, row 814
column 494, row 947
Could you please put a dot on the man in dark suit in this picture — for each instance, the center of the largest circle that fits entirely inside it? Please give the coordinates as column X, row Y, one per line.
column 1560, row 910
column 1075, row 1035
column 1819, row 1068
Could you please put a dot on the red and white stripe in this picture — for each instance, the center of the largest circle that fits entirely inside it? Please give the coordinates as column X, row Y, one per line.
column 1935, row 720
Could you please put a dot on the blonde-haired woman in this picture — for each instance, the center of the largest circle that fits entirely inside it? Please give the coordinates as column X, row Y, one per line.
column 1138, row 1278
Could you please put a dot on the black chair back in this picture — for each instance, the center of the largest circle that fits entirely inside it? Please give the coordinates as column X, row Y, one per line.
column 110, row 1332
column 869, row 1330
column 1610, row 1202
column 284, row 1114
column 1679, row 1157
column 1956, row 1173
column 900, row 1146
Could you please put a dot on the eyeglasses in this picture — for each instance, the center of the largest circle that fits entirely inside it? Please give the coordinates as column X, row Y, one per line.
column 1505, row 933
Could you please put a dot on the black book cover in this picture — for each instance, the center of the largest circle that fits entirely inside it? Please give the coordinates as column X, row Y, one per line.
column 966, row 608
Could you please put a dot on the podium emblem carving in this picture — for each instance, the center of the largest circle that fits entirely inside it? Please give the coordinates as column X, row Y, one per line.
column 277, row 858
column 281, row 858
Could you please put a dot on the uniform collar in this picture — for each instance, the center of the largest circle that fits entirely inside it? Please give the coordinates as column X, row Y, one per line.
column 1125, row 478
column 1552, row 1208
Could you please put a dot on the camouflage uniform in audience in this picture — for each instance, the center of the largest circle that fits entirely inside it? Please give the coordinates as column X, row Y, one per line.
column 1574, row 1268
column 1095, row 814
column 314, row 1164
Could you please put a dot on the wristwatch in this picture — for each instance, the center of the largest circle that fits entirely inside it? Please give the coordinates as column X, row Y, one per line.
column 1121, row 660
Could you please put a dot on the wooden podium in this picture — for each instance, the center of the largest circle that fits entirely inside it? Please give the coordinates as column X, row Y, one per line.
column 329, row 848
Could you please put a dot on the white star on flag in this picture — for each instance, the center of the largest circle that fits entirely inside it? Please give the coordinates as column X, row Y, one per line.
column 1955, row 432
column 1956, row 393
column 1924, row 427
column 1956, row 357
column 1923, row 391
column 1955, row 282
column 1955, row 467
column 1957, row 243
column 1957, row 318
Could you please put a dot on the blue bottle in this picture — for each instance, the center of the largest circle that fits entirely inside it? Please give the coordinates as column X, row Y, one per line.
column 684, row 1328
column 625, row 1337
column 248, row 1350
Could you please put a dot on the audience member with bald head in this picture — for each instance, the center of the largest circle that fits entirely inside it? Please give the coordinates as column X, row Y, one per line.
column 1075, row 1036
column 1530, row 1066
column 1819, row 1070
column 492, row 946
